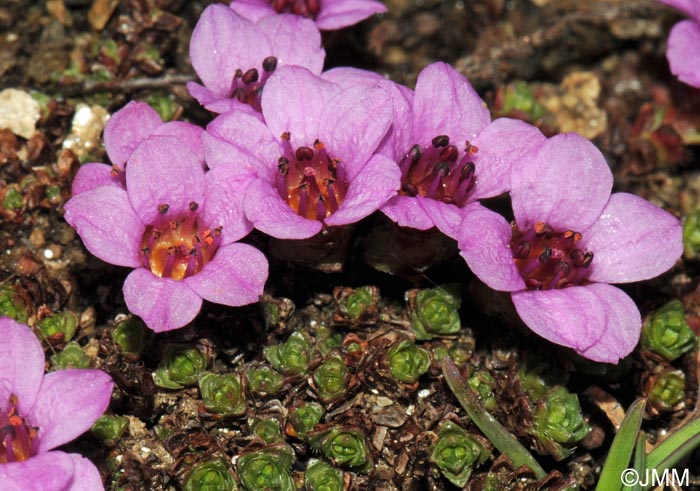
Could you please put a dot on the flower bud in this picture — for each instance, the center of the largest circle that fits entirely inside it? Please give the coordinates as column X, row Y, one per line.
column 358, row 304
column 558, row 418
column 330, row 378
column 110, row 428
column 132, row 336
column 667, row 333
column 483, row 383
column 13, row 200
column 266, row 469
column 291, row 357
column 223, row 394
column 72, row 356
column 211, row 475
column 12, row 304
column 434, row 312
column 667, row 390
column 264, row 381
column 267, row 429
column 180, row 367
column 457, row 453
column 407, row 361
column 303, row 419
column 691, row 234
column 323, row 477
column 344, row 448
column 59, row 327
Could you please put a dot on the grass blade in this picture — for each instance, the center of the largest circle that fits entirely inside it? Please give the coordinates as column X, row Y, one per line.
column 640, row 461
column 620, row 452
column 675, row 447
column 501, row 438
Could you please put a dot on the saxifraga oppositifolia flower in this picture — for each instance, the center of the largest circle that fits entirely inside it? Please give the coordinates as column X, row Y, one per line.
column 234, row 57
column 312, row 162
column 449, row 151
column 569, row 240
column 683, row 41
column 177, row 227
column 329, row 15
column 123, row 132
column 41, row 412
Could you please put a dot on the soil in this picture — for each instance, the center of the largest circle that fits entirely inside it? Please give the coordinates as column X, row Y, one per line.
column 595, row 67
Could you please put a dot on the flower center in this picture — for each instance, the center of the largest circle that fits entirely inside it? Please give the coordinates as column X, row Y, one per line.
column 247, row 86
column 306, row 8
column 313, row 183
column 179, row 247
column 437, row 171
column 547, row 259
column 16, row 437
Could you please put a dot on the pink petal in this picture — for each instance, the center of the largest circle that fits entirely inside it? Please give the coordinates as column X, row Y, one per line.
column 484, row 242
column 407, row 212
column 633, row 240
column 353, row 125
column 565, row 185
column 107, row 225
column 189, row 135
column 253, row 10
column 445, row 103
column 86, row 477
column 203, row 95
column 94, row 175
column 295, row 41
column 265, row 208
column 446, row 217
column 682, row 51
column 397, row 140
column 161, row 171
column 68, row 403
column 21, row 364
column 336, row 14
column 573, row 317
column 503, row 145
column 163, row 304
column 224, row 203
column 250, row 144
column 52, row 471
column 236, row 276
column 623, row 325
column 378, row 181
column 221, row 43
column 127, row 128
column 287, row 104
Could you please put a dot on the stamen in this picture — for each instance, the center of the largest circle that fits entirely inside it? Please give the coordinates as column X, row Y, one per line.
column 441, row 141
column 17, row 438
column 163, row 209
column 250, row 76
column 546, row 259
column 269, row 64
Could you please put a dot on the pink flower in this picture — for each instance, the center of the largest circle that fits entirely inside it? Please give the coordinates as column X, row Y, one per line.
column 177, row 227
column 41, row 412
column 328, row 14
column 569, row 240
column 312, row 162
column 683, row 42
column 234, row 56
column 449, row 151
column 123, row 132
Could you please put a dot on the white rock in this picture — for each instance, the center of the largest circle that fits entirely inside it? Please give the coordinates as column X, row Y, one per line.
column 19, row 112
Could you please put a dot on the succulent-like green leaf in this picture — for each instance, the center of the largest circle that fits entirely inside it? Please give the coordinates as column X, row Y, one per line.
column 407, row 361
column 323, row 477
column 212, row 475
column 667, row 333
column 180, row 366
column 457, row 453
column 291, row 357
column 223, row 394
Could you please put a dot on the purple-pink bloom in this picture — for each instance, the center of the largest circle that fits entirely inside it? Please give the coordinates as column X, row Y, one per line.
column 449, row 151
column 234, row 56
column 123, row 132
column 329, row 15
column 683, row 42
column 177, row 227
column 569, row 240
column 312, row 161
column 41, row 412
